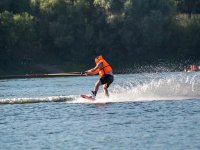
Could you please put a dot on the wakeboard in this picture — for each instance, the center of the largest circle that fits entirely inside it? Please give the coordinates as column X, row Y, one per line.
column 87, row 97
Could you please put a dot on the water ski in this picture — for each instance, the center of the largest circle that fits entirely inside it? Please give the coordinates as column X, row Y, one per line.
column 87, row 97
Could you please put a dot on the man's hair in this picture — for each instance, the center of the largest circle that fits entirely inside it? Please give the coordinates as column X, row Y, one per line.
column 99, row 56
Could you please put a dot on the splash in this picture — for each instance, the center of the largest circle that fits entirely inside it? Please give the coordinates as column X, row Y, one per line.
column 135, row 87
column 160, row 87
column 151, row 87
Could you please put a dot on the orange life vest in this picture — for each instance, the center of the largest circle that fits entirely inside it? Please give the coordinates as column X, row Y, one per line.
column 106, row 68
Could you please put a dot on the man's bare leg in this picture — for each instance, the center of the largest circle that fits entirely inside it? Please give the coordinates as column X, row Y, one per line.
column 97, row 84
column 105, row 89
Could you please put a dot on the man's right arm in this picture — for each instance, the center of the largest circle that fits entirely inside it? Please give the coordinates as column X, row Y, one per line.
column 95, row 69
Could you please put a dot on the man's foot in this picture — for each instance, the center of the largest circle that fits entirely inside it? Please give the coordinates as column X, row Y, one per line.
column 93, row 94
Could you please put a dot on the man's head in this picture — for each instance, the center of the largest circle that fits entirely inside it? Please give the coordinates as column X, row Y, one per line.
column 98, row 58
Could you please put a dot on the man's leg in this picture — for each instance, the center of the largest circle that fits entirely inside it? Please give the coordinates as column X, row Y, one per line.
column 105, row 89
column 96, row 88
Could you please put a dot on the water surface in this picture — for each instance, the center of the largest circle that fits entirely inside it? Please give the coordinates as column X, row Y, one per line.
column 144, row 111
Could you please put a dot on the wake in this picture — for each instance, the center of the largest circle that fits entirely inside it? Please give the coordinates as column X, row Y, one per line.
column 38, row 100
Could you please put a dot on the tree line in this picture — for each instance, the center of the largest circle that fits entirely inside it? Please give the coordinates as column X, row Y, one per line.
column 70, row 33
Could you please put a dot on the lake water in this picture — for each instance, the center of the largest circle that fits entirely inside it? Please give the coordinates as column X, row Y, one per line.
column 144, row 111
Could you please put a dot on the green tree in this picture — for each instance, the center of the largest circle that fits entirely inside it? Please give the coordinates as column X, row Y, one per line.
column 15, row 6
column 188, row 6
column 147, row 29
column 17, row 37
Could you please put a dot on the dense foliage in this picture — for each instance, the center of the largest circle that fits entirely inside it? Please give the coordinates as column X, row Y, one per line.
column 70, row 33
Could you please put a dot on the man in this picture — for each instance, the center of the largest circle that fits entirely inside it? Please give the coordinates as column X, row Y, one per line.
column 106, row 75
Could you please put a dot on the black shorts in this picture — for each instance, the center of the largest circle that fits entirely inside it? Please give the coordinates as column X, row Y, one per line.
column 107, row 79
